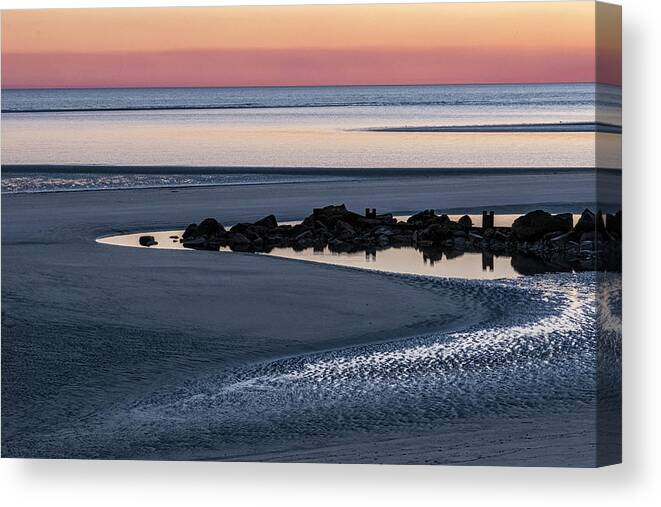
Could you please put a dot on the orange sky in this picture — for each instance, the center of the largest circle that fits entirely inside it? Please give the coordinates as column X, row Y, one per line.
column 306, row 45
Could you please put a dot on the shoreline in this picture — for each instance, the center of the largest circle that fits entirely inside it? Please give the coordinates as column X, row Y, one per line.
column 184, row 317
column 381, row 171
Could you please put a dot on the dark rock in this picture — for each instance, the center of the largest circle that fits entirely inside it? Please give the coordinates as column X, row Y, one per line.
column 459, row 242
column 387, row 218
column 258, row 244
column 591, row 236
column 600, row 222
column 210, row 227
column 333, row 209
column 238, row 239
column 500, row 235
column 568, row 218
column 435, row 233
column 536, row 224
column 147, row 241
column 465, row 222
column 343, row 230
column 329, row 215
column 614, row 224
column 241, row 228
column 305, row 239
column 586, row 223
column 270, row 222
column 422, row 217
column 400, row 240
column 560, row 238
column 539, row 236
column 190, row 232
column 198, row 243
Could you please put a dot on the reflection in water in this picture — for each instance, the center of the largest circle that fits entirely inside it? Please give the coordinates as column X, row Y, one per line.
column 424, row 261
column 429, row 261
column 418, row 261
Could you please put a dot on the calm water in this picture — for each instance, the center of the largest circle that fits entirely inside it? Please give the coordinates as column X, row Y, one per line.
column 310, row 126
column 409, row 260
column 432, row 262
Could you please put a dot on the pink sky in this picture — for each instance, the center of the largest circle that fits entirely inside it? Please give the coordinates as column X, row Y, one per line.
column 309, row 45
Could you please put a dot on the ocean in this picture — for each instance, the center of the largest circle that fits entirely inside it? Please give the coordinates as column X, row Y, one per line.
column 324, row 128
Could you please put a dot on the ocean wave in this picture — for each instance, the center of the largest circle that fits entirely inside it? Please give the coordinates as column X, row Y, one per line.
column 24, row 183
column 518, row 102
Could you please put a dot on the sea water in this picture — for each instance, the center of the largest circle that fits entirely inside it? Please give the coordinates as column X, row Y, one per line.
column 305, row 127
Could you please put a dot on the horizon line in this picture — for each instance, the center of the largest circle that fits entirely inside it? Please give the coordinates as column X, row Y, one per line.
column 489, row 83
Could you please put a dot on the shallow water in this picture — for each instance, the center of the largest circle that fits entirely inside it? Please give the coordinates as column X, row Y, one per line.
column 34, row 182
column 330, row 127
column 442, row 262
column 534, row 357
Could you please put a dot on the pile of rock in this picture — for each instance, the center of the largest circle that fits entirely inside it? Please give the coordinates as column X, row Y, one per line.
column 593, row 243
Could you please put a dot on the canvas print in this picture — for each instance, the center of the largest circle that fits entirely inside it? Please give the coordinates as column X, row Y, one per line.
column 383, row 234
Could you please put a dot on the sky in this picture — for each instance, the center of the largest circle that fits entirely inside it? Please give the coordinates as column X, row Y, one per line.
column 310, row 45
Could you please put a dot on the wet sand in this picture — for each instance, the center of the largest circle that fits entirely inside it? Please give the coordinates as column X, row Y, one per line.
column 88, row 327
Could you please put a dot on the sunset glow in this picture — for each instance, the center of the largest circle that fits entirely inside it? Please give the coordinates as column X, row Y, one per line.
column 304, row 45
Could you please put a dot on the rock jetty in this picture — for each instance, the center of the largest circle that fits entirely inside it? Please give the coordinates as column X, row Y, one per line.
column 593, row 243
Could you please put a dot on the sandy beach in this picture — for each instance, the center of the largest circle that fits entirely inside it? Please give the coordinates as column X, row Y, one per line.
column 101, row 341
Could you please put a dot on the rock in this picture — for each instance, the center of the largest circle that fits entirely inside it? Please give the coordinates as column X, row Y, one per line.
column 333, row 209
column 319, row 225
column 383, row 240
column 304, row 237
column 586, row 223
column 587, row 246
column 190, row 232
column 591, row 236
column 174, row 237
column 383, row 231
column 465, row 222
column 241, row 228
column 500, row 235
column 387, row 218
column 147, row 241
column 210, row 227
column 329, row 216
column 599, row 222
column 400, row 240
column 270, row 222
column 238, row 239
column 560, row 238
column 423, row 216
column 614, row 224
column 590, row 244
column 343, row 230
column 198, row 243
column 568, row 218
column 435, row 233
column 536, row 224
